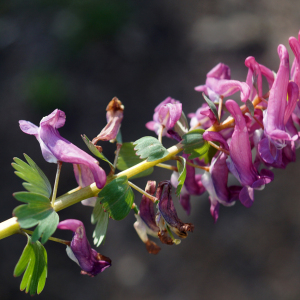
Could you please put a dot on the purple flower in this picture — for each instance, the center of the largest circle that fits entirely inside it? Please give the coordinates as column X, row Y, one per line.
column 56, row 148
column 166, row 114
column 80, row 250
column 295, row 70
column 218, row 84
column 145, row 220
column 114, row 118
column 278, row 112
column 167, row 217
column 240, row 161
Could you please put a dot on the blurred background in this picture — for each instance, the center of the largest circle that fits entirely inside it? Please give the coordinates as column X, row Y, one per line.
column 77, row 55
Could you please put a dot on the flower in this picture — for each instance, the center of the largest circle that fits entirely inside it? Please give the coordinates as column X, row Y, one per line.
column 167, row 216
column 166, row 114
column 240, row 160
column 114, row 118
column 80, row 250
column 145, row 220
column 56, row 148
column 218, row 84
column 279, row 111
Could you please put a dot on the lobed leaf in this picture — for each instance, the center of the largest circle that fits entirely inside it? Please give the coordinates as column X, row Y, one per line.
column 181, row 165
column 150, row 148
column 100, row 218
column 36, row 180
column 117, row 198
column 37, row 211
column 127, row 158
column 94, row 150
column 194, row 144
column 33, row 261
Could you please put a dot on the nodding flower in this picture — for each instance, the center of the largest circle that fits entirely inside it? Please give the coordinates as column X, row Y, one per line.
column 80, row 250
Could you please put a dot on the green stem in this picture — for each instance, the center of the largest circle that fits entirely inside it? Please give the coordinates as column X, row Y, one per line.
column 59, row 164
column 54, row 239
column 152, row 198
column 11, row 226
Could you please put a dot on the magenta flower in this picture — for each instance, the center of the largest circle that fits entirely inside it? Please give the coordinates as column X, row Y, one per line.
column 218, row 84
column 166, row 114
column 278, row 112
column 56, row 148
column 80, row 250
column 114, row 118
column 295, row 70
column 240, row 161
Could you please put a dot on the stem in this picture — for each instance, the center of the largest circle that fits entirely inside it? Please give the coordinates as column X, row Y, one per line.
column 218, row 147
column 196, row 166
column 152, row 198
column 220, row 107
column 169, row 167
column 50, row 238
column 135, row 208
column 59, row 164
column 162, row 127
column 119, row 146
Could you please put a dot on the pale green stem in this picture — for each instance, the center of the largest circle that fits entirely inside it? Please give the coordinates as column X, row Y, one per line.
column 119, row 146
column 50, row 238
column 152, row 198
column 169, row 167
column 11, row 226
column 162, row 127
column 59, row 164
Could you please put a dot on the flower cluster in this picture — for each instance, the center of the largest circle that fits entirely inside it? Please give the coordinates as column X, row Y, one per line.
column 256, row 137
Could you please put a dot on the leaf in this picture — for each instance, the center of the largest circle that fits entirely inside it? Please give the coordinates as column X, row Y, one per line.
column 250, row 106
column 127, row 158
column 181, row 126
column 211, row 106
column 117, row 198
column 100, row 218
column 37, row 211
column 210, row 153
column 36, row 180
column 94, row 150
column 150, row 148
column 33, row 261
column 194, row 144
column 181, row 165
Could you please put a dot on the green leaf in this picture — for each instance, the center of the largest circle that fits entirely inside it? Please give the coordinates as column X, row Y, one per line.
column 150, row 148
column 181, row 165
column 36, row 180
column 210, row 153
column 127, row 158
column 34, row 262
column 181, row 126
column 94, row 150
column 37, row 211
column 211, row 106
column 100, row 218
column 250, row 106
column 117, row 198
column 194, row 144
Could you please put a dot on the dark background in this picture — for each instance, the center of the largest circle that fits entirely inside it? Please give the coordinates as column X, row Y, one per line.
column 77, row 55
